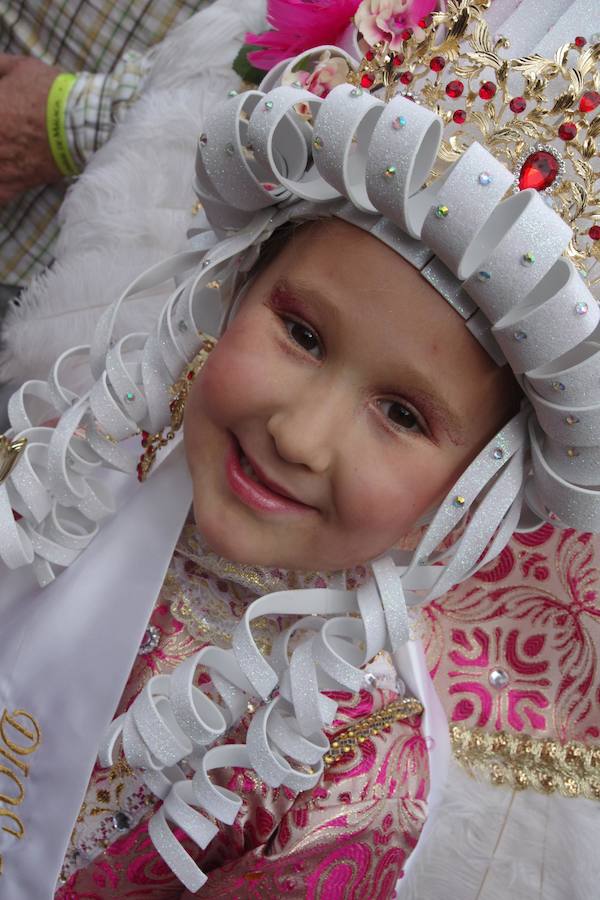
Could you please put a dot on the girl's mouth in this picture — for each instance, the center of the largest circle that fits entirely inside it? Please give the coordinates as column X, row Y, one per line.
column 255, row 489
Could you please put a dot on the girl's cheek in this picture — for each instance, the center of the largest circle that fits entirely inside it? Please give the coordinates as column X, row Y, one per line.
column 232, row 381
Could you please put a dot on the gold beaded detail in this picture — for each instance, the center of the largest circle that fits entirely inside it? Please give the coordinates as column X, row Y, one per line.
column 522, row 761
column 360, row 731
column 152, row 443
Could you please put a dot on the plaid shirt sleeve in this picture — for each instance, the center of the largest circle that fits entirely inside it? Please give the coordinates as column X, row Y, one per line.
column 98, row 101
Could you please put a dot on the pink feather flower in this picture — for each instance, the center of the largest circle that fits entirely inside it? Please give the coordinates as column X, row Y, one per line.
column 299, row 25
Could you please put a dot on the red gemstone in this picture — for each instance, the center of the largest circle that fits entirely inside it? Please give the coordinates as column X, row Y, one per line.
column 367, row 80
column 580, row 41
column 406, row 34
column 423, row 23
column 487, row 90
column 398, row 60
column 539, row 171
column 518, row 104
column 370, row 55
column 460, row 116
column 567, row 131
column 190, row 376
column 437, row 63
column 145, row 435
column 589, row 101
column 454, row 89
column 406, row 77
column 594, row 232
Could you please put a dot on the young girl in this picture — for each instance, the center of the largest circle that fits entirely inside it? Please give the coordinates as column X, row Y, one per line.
column 357, row 422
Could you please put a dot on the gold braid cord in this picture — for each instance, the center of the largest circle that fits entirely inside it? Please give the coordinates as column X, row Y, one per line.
column 540, row 117
column 152, row 443
column 521, row 761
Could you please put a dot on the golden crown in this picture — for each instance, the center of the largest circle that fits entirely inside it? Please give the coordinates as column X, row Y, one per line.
column 539, row 116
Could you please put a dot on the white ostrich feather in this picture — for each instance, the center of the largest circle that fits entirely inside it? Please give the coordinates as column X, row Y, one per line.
column 132, row 206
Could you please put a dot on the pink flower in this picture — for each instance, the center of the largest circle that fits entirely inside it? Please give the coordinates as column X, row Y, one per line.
column 385, row 20
column 327, row 74
column 299, row 25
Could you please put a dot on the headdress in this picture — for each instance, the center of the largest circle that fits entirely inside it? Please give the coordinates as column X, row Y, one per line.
column 504, row 227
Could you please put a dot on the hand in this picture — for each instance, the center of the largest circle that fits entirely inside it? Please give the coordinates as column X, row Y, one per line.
column 25, row 157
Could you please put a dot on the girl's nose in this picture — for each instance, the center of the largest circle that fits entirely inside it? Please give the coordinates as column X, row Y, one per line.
column 307, row 429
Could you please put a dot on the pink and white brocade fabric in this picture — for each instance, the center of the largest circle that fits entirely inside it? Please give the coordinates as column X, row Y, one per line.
column 533, row 615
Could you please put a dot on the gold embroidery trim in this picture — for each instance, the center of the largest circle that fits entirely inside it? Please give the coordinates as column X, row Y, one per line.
column 521, row 761
column 346, row 741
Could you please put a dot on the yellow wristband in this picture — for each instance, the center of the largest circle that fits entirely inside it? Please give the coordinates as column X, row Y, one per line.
column 55, row 123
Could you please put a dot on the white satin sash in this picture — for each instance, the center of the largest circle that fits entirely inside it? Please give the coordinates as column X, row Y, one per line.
column 65, row 655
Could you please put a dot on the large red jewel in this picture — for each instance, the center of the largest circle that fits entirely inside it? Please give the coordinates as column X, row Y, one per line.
column 437, row 63
column 459, row 116
column 539, row 171
column 367, row 80
column 454, row 89
column 589, row 101
column 406, row 78
column 594, row 232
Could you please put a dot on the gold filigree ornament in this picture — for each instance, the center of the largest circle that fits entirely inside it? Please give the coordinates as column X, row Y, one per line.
column 152, row 443
column 10, row 453
column 539, row 116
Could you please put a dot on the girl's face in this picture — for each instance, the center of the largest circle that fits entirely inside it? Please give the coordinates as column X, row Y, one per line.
column 343, row 401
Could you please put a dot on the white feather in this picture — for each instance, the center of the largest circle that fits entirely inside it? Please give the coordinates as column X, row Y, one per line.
column 132, row 206
column 492, row 843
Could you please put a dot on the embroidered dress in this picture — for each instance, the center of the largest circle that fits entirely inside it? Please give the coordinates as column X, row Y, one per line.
column 512, row 656
column 354, row 830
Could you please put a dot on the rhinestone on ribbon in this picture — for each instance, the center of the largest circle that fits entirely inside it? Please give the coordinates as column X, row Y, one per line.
column 317, row 142
column 398, row 123
column 485, row 178
column 557, row 386
column 483, row 275
column 498, row 678
column 356, row 92
column 229, row 149
column 519, row 336
column 150, row 641
column 441, row 211
column 498, row 453
column 459, row 501
column 130, row 396
column 268, row 105
column 571, row 419
column 203, row 139
column 232, row 93
column 528, row 259
column 572, row 452
column 581, row 308
column 390, row 172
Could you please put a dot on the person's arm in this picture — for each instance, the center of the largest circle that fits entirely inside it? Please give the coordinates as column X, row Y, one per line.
column 50, row 129
column 96, row 102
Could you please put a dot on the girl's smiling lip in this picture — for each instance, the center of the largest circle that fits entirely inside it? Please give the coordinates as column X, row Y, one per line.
column 262, row 494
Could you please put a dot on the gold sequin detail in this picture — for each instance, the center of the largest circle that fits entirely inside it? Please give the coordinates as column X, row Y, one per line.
column 346, row 741
column 522, row 761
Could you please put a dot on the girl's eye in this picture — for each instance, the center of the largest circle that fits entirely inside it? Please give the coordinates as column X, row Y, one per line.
column 400, row 415
column 304, row 336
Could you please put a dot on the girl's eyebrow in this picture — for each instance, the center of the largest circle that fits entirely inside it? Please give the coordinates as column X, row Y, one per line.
column 302, row 296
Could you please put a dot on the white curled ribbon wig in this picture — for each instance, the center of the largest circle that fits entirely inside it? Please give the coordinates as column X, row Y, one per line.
column 366, row 162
